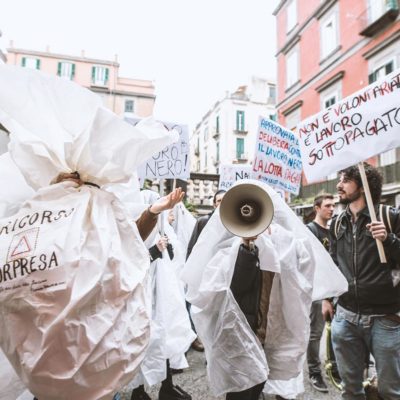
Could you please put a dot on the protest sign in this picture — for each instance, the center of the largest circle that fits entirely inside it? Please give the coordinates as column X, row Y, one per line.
column 173, row 161
column 358, row 127
column 229, row 174
column 277, row 159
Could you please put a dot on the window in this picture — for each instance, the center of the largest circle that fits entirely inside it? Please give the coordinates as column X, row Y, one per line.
column 387, row 158
column 292, row 119
column 272, row 117
column 129, row 106
column 99, row 76
column 329, row 99
column 329, row 35
column 30, row 62
column 239, row 148
column 205, row 134
column 217, row 124
column 272, row 93
column 291, row 15
column 330, row 102
column 240, row 121
column 377, row 8
column 217, row 151
column 379, row 71
column 292, row 68
column 205, row 158
column 66, row 70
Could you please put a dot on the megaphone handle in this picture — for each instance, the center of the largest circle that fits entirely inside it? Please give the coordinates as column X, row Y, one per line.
column 251, row 245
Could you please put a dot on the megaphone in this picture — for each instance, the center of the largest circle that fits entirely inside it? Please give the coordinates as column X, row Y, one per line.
column 246, row 210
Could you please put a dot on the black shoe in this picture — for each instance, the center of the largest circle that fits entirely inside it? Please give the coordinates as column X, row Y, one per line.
column 173, row 392
column 277, row 397
column 318, row 383
column 139, row 394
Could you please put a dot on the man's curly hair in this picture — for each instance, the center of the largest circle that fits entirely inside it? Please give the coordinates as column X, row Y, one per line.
column 374, row 178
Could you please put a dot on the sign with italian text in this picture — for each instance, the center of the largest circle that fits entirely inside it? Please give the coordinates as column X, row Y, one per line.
column 360, row 126
column 277, row 159
column 229, row 174
column 173, row 161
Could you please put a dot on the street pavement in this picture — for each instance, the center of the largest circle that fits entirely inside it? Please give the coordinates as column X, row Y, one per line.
column 194, row 381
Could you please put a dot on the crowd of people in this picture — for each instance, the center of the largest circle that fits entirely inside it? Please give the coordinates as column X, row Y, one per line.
column 365, row 319
column 140, row 281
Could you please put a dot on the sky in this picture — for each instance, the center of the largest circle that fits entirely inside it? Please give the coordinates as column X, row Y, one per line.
column 193, row 50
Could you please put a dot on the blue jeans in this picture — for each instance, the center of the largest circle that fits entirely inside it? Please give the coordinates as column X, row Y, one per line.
column 353, row 337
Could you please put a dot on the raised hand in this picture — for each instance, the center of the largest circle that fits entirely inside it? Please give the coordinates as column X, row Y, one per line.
column 167, row 202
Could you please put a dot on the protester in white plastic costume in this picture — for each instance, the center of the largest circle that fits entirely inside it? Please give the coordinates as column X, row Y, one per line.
column 73, row 307
column 171, row 333
column 236, row 360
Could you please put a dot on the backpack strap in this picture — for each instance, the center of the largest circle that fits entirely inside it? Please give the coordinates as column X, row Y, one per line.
column 338, row 222
column 311, row 226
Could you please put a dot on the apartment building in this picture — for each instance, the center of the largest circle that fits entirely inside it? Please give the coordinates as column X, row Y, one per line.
column 227, row 132
column 327, row 50
column 129, row 96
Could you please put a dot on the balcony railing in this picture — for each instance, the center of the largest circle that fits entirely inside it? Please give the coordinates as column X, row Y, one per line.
column 370, row 24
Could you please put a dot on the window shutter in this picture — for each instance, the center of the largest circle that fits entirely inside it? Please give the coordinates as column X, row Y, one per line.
column 23, row 62
column 242, row 124
column 371, row 77
column 72, row 71
column 237, row 120
column 37, row 63
column 93, row 74
column 389, row 68
column 239, row 147
column 59, row 69
column 106, row 80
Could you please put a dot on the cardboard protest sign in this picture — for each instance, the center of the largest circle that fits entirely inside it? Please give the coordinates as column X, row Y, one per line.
column 358, row 127
column 277, row 159
column 229, row 174
column 173, row 161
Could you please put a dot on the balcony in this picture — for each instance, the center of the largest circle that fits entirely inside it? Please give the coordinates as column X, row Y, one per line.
column 371, row 24
column 240, row 132
column 215, row 134
column 241, row 158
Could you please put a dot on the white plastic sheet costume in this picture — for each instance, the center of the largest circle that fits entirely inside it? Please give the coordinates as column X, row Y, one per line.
column 171, row 333
column 73, row 317
column 236, row 360
column 17, row 192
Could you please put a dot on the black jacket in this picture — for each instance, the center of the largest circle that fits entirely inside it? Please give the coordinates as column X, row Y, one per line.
column 200, row 224
column 246, row 284
column 353, row 249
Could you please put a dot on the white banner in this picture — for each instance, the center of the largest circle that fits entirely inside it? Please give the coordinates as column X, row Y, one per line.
column 229, row 174
column 277, row 159
column 173, row 161
column 358, row 127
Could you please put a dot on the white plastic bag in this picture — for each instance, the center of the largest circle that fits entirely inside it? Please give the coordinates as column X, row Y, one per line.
column 73, row 317
column 15, row 189
column 290, row 250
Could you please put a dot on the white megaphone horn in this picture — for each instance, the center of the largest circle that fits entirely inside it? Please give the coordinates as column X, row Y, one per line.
column 246, row 210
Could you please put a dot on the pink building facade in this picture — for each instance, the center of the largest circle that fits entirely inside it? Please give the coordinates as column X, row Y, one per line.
column 126, row 96
column 327, row 50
